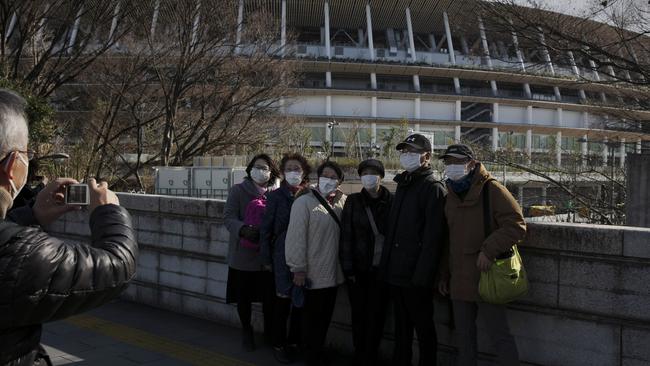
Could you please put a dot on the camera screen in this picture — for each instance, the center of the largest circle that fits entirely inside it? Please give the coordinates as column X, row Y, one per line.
column 77, row 194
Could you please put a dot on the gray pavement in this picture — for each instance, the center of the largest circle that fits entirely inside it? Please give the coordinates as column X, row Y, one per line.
column 124, row 334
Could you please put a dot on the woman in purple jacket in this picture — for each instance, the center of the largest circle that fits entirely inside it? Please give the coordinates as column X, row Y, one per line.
column 247, row 282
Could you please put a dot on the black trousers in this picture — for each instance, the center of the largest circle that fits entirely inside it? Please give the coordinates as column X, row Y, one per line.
column 283, row 311
column 316, row 317
column 247, row 287
column 369, row 299
column 414, row 310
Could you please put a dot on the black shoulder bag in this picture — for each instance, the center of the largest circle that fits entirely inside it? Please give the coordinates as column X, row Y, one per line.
column 327, row 206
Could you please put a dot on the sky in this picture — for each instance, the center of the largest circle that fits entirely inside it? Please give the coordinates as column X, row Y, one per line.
column 640, row 9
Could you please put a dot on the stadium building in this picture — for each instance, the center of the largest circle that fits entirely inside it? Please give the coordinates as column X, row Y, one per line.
column 372, row 65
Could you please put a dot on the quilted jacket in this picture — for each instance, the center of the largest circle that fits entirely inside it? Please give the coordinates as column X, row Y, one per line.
column 43, row 279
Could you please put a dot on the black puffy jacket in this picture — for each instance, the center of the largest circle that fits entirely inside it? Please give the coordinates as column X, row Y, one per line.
column 44, row 279
column 417, row 230
column 357, row 243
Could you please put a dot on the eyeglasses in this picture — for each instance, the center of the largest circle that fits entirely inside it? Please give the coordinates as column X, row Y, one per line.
column 30, row 154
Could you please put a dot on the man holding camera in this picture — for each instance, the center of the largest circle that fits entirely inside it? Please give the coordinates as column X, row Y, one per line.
column 43, row 278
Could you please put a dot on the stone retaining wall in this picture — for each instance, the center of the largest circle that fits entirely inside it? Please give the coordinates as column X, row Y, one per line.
column 589, row 302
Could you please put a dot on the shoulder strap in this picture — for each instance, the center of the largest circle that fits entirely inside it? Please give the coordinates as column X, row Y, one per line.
column 371, row 218
column 327, row 207
column 487, row 213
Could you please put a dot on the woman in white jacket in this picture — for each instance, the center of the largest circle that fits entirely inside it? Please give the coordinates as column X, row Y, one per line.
column 311, row 251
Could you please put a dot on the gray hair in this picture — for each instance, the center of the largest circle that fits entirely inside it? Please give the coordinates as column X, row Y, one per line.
column 13, row 122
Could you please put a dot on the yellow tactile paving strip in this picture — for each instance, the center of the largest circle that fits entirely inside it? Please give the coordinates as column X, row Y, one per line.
column 151, row 342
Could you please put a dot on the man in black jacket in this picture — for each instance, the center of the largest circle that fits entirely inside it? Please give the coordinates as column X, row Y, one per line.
column 416, row 233
column 363, row 226
column 43, row 278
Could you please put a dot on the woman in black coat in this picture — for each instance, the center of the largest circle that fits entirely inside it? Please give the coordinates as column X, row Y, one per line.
column 364, row 220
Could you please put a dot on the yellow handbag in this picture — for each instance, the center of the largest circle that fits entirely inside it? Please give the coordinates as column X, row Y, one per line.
column 506, row 280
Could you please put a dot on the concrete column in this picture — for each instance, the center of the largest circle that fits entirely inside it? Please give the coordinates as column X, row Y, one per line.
column 457, row 134
column 373, row 80
column 486, row 54
column 463, row 44
column 12, row 24
column 328, row 105
column 576, row 71
column 458, row 110
column 75, row 27
column 328, row 46
column 594, row 70
column 522, row 64
column 484, row 43
column 558, row 148
column 639, row 144
column 328, row 133
column 529, row 145
column 283, row 32
column 605, row 151
column 154, row 19
column 432, row 42
column 622, row 153
column 585, row 119
column 240, row 25
column 416, row 83
column 452, row 54
column 559, row 117
column 637, row 205
column 544, row 196
column 584, row 147
column 529, row 114
column 520, row 194
column 116, row 13
column 636, row 60
column 373, row 133
column 495, row 112
column 409, row 26
column 417, row 108
column 495, row 139
column 373, row 107
column 371, row 42
column 328, row 79
column 547, row 55
column 549, row 62
column 195, row 24
column 416, row 128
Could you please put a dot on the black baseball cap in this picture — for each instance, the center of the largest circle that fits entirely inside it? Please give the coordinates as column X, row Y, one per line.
column 459, row 151
column 416, row 141
column 374, row 164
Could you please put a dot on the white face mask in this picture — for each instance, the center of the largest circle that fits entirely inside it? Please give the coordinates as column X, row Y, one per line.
column 260, row 176
column 410, row 161
column 293, row 178
column 16, row 190
column 456, row 172
column 327, row 185
column 370, row 182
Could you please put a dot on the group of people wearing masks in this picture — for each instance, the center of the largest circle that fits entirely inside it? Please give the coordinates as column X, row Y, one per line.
column 292, row 246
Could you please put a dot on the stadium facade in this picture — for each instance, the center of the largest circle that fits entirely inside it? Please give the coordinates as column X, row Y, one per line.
column 373, row 65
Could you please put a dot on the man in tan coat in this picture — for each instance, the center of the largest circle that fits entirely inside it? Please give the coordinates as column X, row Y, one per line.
column 473, row 248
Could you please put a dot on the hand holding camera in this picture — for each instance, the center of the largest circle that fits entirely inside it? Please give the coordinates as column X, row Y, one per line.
column 67, row 194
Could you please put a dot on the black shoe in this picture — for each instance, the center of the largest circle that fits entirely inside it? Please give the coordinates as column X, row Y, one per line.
column 248, row 339
column 282, row 355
